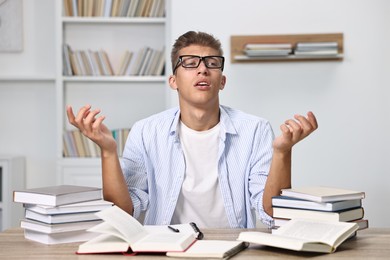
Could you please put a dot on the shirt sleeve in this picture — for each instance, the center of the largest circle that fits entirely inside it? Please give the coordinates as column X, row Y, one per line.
column 134, row 170
column 260, row 166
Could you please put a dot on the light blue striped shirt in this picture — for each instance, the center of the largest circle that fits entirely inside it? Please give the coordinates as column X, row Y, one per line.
column 154, row 166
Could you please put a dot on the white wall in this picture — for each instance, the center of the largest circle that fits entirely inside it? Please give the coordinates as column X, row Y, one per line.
column 350, row 98
column 27, row 108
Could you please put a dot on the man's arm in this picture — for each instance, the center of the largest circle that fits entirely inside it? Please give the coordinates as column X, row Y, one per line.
column 114, row 184
column 279, row 176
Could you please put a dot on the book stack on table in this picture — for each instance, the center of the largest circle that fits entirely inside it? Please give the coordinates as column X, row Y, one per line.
column 319, row 203
column 60, row 214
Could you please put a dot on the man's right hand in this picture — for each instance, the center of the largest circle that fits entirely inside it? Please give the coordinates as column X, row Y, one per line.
column 91, row 125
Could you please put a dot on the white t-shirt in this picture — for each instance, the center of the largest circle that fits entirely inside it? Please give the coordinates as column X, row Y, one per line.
column 200, row 198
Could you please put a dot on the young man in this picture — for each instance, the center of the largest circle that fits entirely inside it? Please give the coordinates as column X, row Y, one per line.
column 201, row 162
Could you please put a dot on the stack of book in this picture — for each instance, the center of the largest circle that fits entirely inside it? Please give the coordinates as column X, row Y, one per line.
column 114, row 8
column 146, row 62
column 256, row 50
column 60, row 214
column 316, row 49
column 319, row 203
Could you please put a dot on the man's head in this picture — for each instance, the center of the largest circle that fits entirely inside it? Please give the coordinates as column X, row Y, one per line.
column 197, row 63
column 193, row 38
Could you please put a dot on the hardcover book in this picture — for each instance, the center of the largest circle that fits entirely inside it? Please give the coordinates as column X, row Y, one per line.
column 290, row 202
column 323, row 194
column 87, row 206
column 344, row 215
column 61, row 218
column 57, row 195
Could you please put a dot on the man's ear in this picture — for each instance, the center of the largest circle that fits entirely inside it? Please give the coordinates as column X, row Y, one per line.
column 172, row 82
column 223, row 82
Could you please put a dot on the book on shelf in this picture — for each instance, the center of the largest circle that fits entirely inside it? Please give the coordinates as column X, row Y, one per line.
column 322, row 49
column 125, row 61
column 39, row 226
column 317, row 53
column 87, row 206
column 58, row 238
column 343, row 215
column 120, row 232
column 105, row 63
column 270, row 52
column 290, row 202
column 114, row 8
column 267, row 49
column 322, row 193
column 222, row 249
column 268, row 46
column 57, row 195
column 316, row 45
column 304, row 235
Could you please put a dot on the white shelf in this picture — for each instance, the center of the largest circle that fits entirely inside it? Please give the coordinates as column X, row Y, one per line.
column 288, row 57
column 108, row 20
column 27, row 78
column 114, row 79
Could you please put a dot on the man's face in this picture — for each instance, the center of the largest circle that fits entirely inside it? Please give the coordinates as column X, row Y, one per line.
column 198, row 86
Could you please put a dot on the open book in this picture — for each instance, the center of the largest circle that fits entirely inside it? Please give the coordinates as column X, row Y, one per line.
column 120, row 232
column 304, row 235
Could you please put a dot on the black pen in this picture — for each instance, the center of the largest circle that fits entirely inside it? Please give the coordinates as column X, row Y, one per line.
column 174, row 229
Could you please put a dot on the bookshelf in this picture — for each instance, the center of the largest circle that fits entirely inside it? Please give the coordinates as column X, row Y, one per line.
column 123, row 99
column 238, row 43
column 12, row 177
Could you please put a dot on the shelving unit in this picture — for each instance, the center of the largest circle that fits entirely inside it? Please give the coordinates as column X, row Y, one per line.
column 12, row 177
column 238, row 44
column 122, row 99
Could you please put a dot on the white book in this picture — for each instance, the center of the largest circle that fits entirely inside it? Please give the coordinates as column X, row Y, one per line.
column 322, row 193
column 58, row 238
column 57, row 228
column 61, row 218
column 268, row 46
column 132, row 8
column 57, row 195
column 304, row 235
column 87, row 206
column 107, row 8
column 317, row 45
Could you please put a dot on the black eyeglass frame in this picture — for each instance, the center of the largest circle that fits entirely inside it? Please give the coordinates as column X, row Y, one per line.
column 201, row 58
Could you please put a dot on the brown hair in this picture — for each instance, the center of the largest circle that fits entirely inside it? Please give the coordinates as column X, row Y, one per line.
column 194, row 38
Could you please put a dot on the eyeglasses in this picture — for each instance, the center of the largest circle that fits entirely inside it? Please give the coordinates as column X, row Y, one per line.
column 193, row 61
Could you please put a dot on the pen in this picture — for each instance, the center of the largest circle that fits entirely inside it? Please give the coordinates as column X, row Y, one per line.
column 174, row 229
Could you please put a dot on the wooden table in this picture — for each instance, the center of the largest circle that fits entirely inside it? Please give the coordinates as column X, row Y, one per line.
column 372, row 243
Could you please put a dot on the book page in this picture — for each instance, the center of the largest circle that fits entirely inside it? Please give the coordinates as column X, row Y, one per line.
column 321, row 231
column 128, row 226
column 183, row 228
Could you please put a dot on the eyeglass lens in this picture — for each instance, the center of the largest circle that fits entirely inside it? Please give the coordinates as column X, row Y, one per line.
column 212, row 62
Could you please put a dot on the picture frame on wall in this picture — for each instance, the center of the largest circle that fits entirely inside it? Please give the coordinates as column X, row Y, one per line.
column 11, row 26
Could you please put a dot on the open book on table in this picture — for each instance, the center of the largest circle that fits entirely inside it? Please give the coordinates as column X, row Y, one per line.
column 304, row 235
column 121, row 233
